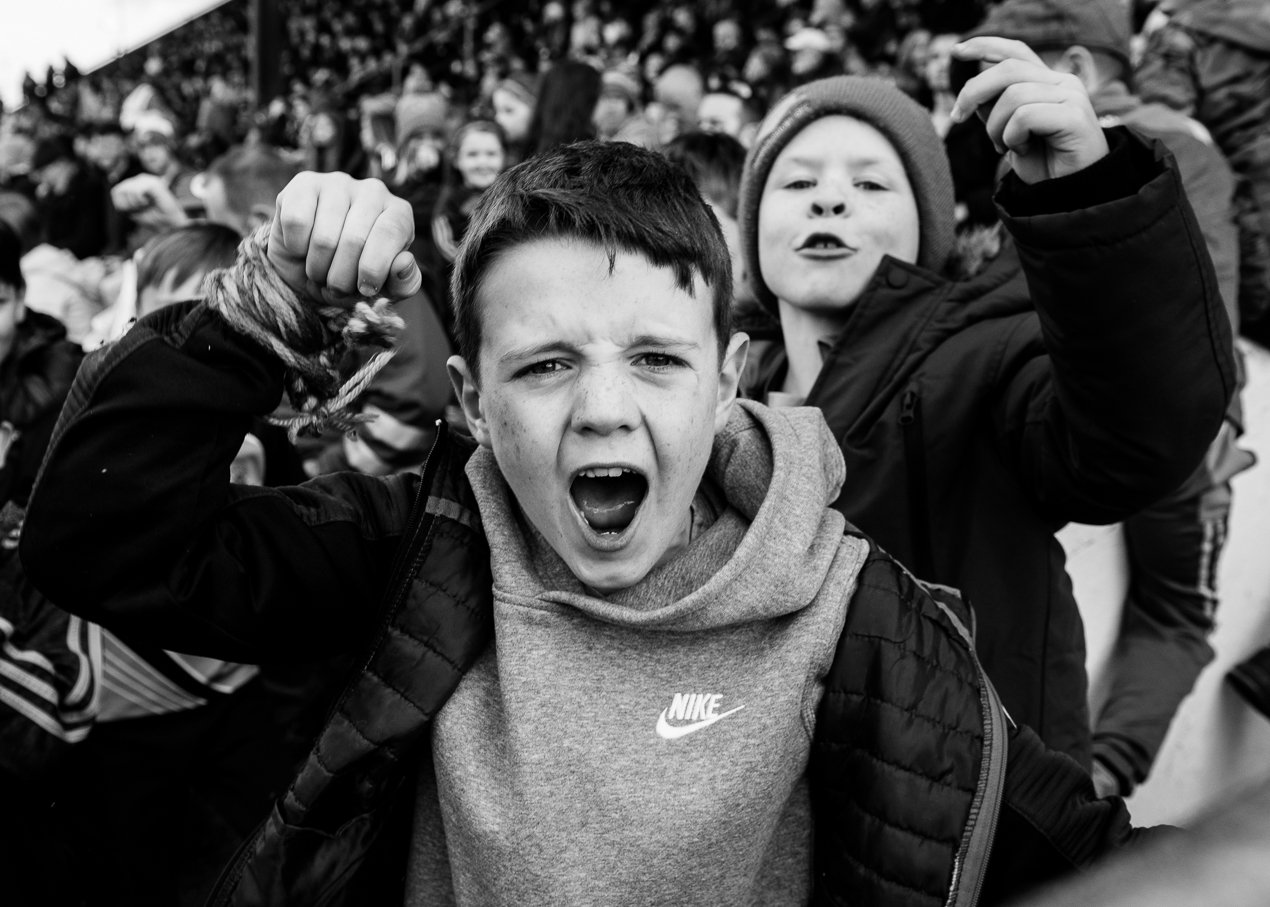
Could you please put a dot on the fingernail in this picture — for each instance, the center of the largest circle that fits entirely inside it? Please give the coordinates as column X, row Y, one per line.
column 367, row 289
column 955, row 114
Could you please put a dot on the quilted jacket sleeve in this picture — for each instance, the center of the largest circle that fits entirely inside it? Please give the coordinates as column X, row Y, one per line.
column 134, row 523
column 1117, row 400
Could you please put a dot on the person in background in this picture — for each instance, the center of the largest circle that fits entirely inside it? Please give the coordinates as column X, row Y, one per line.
column 1210, row 59
column 57, row 283
column 566, row 100
column 423, row 130
column 1174, row 545
column 70, row 197
column 981, row 402
column 514, row 99
column 729, row 108
column 619, row 114
column 715, row 162
column 677, row 93
column 46, row 685
column 155, row 140
column 477, row 155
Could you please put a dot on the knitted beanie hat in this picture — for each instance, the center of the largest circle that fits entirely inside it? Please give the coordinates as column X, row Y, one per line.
column 418, row 113
column 904, row 123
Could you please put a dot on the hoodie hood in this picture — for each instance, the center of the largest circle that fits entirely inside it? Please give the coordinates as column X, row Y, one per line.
column 774, row 472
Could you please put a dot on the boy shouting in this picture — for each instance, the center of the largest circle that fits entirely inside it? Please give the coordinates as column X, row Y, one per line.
column 623, row 652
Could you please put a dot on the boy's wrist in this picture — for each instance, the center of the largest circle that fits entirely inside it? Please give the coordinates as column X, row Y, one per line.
column 1115, row 176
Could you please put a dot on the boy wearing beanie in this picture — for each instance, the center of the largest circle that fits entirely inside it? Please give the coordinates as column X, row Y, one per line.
column 618, row 651
column 979, row 412
column 1175, row 544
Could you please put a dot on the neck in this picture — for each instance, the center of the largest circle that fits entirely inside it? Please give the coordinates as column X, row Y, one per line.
column 804, row 332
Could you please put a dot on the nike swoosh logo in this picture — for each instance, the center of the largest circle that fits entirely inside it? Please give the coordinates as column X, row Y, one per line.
column 666, row 731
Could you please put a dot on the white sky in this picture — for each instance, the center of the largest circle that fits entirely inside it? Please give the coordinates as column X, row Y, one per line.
column 35, row 33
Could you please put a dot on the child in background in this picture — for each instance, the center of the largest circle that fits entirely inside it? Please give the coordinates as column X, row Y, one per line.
column 477, row 156
column 514, row 99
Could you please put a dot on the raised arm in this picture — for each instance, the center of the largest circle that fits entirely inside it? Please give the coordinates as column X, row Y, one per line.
column 1116, row 398
column 134, row 522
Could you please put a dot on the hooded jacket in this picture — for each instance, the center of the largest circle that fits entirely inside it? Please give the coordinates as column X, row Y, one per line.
column 907, row 777
column 1079, row 376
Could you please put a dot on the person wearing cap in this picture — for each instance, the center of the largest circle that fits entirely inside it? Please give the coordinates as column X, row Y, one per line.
column 1174, row 545
column 981, row 402
column 619, row 115
column 155, row 139
column 812, row 55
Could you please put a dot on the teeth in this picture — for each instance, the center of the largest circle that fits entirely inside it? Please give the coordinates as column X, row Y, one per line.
column 604, row 472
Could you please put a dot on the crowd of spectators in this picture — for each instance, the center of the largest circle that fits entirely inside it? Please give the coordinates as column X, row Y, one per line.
column 436, row 97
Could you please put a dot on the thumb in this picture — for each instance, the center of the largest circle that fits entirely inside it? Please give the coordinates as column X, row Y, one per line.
column 404, row 279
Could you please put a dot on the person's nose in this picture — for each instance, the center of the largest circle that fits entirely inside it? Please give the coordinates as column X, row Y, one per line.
column 604, row 401
column 828, row 201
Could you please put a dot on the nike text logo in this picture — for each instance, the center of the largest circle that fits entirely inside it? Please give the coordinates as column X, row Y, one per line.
column 701, row 709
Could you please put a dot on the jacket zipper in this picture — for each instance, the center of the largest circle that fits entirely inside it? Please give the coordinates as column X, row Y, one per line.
column 918, row 493
column 970, row 868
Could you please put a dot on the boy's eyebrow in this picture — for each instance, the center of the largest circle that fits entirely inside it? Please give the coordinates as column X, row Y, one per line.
column 516, row 354
column 672, row 343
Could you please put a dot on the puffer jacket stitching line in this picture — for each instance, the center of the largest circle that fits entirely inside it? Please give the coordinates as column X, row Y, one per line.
column 915, row 654
column 894, row 766
column 873, row 700
column 883, row 878
column 427, row 644
column 462, row 600
column 372, row 673
column 889, row 823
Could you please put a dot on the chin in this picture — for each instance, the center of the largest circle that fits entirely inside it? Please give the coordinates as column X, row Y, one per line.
column 609, row 578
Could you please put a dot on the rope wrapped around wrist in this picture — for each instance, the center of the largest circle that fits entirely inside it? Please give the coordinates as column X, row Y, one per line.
column 310, row 338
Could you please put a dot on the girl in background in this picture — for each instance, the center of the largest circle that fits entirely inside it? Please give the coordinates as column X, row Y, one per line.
column 478, row 155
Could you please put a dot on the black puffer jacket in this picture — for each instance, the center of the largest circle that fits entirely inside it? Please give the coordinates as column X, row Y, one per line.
column 1079, row 376
column 909, row 770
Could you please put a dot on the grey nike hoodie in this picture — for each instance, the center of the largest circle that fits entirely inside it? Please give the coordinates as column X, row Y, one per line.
column 649, row 747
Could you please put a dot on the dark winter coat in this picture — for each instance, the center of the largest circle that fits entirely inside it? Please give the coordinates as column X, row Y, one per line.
column 1079, row 376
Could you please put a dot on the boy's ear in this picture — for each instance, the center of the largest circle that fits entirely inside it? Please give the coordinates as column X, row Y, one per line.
column 730, row 371
column 469, row 397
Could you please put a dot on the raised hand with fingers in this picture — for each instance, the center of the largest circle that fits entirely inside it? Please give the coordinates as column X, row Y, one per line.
column 1042, row 120
column 337, row 240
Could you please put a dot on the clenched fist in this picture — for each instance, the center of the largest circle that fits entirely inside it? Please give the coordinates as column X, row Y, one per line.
column 337, row 239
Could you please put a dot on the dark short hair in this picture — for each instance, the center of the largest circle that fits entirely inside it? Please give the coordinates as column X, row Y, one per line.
column 715, row 162
column 11, row 258
column 614, row 194
column 186, row 251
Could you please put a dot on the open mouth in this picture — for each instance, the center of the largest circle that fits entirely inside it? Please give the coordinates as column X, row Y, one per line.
column 608, row 497
column 823, row 242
